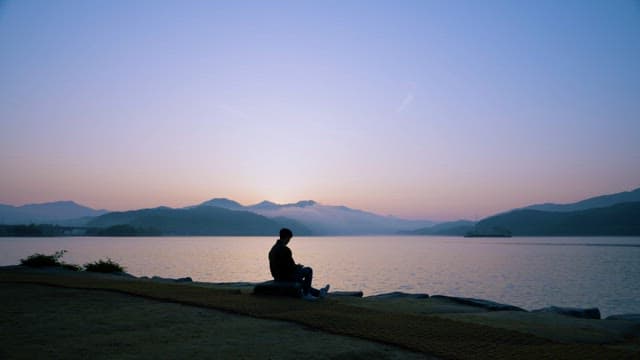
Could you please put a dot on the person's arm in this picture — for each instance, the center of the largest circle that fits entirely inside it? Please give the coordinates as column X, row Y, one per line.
column 290, row 263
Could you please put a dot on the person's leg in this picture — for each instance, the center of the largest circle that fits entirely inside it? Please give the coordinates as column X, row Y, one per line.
column 305, row 276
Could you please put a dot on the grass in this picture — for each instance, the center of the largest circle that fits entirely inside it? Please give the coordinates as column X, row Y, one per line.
column 94, row 324
column 433, row 335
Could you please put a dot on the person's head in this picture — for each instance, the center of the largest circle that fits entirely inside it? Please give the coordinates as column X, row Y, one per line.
column 285, row 235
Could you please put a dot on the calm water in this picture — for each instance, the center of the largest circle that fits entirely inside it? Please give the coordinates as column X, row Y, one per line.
column 528, row 272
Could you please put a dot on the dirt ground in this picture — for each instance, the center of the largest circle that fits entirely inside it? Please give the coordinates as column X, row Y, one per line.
column 55, row 323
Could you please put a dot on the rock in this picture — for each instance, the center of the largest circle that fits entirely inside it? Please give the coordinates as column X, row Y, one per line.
column 180, row 280
column 236, row 284
column 399, row 295
column 124, row 274
column 485, row 304
column 346, row 293
column 627, row 317
column 279, row 288
column 589, row 313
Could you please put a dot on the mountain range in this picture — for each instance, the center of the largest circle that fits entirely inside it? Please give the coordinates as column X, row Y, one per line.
column 590, row 203
column 622, row 219
column 614, row 214
column 200, row 220
column 453, row 228
column 63, row 212
column 304, row 217
column 326, row 219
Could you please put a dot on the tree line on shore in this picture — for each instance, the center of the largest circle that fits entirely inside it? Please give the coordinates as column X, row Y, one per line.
column 48, row 230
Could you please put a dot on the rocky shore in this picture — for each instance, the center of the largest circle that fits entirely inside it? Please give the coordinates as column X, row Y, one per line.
column 480, row 304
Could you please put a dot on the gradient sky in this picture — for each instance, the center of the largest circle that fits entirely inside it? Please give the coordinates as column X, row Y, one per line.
column 421, row 109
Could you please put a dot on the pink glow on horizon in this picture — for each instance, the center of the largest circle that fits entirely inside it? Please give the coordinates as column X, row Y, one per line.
column 425, row 110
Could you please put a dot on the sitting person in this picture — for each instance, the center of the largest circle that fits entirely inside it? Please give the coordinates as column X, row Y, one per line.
column 283, row 268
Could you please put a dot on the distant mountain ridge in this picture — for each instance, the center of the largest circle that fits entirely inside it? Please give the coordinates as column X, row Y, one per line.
column 201, row 220
column 450, row 228
column 613, row 214
column 621, row 219
column 590, row 203
column 307, row 217
column 223, row 203
column 326, row 219
column 58, row 211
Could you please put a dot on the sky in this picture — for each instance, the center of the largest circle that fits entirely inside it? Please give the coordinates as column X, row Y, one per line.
column 421, row 109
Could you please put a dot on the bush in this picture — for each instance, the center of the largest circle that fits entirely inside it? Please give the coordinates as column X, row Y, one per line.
column 41, row 260
column 104, row 266
column 38, row 260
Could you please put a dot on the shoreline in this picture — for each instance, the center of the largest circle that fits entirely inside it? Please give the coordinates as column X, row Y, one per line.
column 515, row 280
column 440, row 326
column 471, row 301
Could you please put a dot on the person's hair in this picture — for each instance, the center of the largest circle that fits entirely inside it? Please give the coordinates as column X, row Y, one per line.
column 285, row 233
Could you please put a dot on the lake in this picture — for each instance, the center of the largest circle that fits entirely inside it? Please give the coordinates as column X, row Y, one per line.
column 530, row 272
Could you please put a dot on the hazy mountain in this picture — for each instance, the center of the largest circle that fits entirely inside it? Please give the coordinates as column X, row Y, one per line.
column 271, row 206
column 329, row 220
column 200, row 220
column 264, row 206
column 594, row 202
column 53, row 212
column 224, row 203
column 619, row 219
column 453, row 228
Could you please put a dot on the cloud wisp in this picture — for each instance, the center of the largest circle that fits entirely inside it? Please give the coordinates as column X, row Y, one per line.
column 408, row 99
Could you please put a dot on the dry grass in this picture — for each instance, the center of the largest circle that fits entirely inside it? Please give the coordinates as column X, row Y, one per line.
column 419, row 332
column 48, row 322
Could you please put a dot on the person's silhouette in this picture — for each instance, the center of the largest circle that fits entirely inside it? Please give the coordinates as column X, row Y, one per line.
column 283, row 268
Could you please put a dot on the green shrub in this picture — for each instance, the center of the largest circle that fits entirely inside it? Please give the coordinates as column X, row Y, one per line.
column 104, row 266
column 41, row 260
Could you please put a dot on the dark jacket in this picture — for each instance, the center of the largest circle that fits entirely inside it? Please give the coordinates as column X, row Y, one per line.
column 281, row 263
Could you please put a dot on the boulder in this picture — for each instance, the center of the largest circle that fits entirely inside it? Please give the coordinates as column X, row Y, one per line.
column 158, row 278
column 485, row 304
column 240, row 284
column 399, row 295
column 627, row 317
column 589, row 313
column 279, row 288
column 179, row 280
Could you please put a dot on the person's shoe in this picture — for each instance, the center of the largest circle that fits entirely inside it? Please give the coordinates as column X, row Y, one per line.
column 309, row 297
column 324, row 291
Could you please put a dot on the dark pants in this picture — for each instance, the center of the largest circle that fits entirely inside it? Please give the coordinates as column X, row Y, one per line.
column 305, row 276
